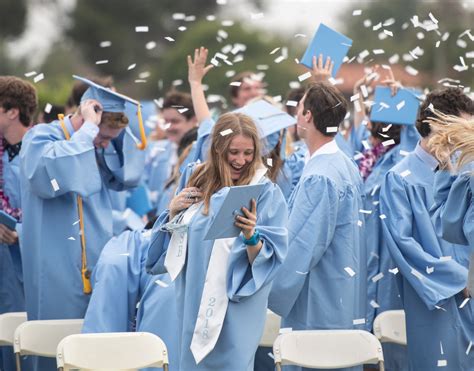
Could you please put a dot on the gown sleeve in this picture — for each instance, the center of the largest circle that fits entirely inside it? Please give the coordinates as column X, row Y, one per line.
column 311, row 229
column 245, row 279
column 414, row 245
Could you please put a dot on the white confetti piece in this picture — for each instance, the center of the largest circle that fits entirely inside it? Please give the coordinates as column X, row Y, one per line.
column 280, row 59
column 358, row 156
column 442, row 363
column 394, row 59
column 441, row 347
column 378, row 51
column 182, row 28
column 350, row 271
column 105, row 44
column 440, row 308
column 417, row 274
column 359, row 321
column 285, row 330
column 429, row 270
column 48, row 108
column 389, row 142
column 30, row 74
column 39, row 77
column 291, row 103
column 169, row 38
column 357, row 12
column 304, row 76
column 374, row 304
column 227, row 23
column 332, row 129
column 256, row 16
column 55, row 185
column 412, row 71
column 102, row 61
column 445, row 258
column 383, row 216
column 388, row 33
column 141, row 29
column 405, row 173
column 366, row 144
column 404, row 153
column 275, row 50
column 125, row 254
column 464, row 302
column 76, row 222
column 131, row 67
column 161, row 283
column 400, row 105
column 270, row 354
column 394, row 271
column 365, row 211
column 302, row 273
column 378, row 26
column 300, row 35
column 71, row 238
column 226, row 132
column 183, row 110
column 469, row 348
column 150, row 45
column 178, row 16
column 355, row 97
column 377, row 277
column 270, row 162
column 359, row 223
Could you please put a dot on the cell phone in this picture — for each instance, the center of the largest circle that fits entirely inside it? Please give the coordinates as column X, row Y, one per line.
column 7, row 220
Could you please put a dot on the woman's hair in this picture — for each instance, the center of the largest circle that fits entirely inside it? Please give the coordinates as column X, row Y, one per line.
column 452, row 135
column 215, row 173
column 382, row 132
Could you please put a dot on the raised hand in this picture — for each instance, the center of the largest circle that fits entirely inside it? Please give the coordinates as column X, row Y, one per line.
column 320, row 71
column 197, row 68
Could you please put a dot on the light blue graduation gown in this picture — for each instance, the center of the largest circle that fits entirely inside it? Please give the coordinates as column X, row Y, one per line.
column 426, row 281
column 119, row 279
column 248, row 285
column 12, row 298
column 52, row 248
column 290, row 173
column 312, row 289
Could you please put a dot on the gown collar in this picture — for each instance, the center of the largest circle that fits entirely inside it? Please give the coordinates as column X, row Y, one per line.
column 424, row 156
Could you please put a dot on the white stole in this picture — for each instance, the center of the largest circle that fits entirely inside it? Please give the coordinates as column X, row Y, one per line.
column 214, row 300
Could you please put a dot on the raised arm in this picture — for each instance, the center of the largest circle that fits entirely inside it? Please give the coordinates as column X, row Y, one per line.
column 197, row 69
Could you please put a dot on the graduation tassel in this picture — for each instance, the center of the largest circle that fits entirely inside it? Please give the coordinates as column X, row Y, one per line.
column 85, row 273
column 141, row 145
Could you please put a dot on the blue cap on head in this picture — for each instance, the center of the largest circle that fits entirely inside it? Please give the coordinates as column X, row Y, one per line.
column 111, row 101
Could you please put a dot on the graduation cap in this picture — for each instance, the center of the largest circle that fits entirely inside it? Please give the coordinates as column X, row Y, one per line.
column 400, row 109
column 112, row 101
column 329, row 43
column 269, row 120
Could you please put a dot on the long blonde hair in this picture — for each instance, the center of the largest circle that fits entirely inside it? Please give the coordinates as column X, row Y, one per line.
column 215, row 173
column 452, row 135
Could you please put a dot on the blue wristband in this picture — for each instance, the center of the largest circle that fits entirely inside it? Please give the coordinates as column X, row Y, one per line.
column 252, row 241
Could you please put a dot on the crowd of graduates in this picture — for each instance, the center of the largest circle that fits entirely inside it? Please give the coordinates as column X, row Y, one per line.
column 355, row 216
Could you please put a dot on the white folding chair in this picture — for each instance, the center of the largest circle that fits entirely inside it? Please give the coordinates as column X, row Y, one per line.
column 8, row 324
column 112, row 351
column 389, row 327
column 271, row 330
column 327, row 349
column 41, row 338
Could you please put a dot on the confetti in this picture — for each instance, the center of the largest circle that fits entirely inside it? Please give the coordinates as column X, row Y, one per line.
column 161, row 283
column 429, row 270
column 302, row 273
column 332, row 129
column 226, row 132
column 30, row 74
column 178, row 16
column 404, row 153
column 255, row 16
column 304, row 76
column 349, row 271
column 48, row 108
column 105, row 44
column 405, row 173
column 358, row 156
column 469, row 348
column 275, row 50
column 359, row 223
column 169, row 38
column 394, row 271
column 357, row 12
column 386, row 128
column 383, row 216
column 183, row 110
column 400, row 105
column 442, row 363
column 412, row 71
column 280, row 59
column 182, row 28
column 141, row 29
column 55, row 185
column 292, row 103
column 39, row 77
column 277, row 98
column 71, row 239
column 378, row 26
column 368, row 212
column 378, row 51
column 389, row 142
column 125, row 254
column 374, row 304
column 394, row 59
column 300, row 35
column 445, row 258
column 76, row 222
column 464, row 303
column 270, row 162
column 417, row 274
column 103, row 61
column 359, row 321
column 150, row 45
column 131, row 67
column 377, row 277
column 364, row 91
column 270, row 354
column 354, row 97
column 388, row 33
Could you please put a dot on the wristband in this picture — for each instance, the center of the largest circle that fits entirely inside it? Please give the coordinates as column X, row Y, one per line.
column 252, row 241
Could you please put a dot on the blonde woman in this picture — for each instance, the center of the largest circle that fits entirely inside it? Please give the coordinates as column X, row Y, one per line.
column 221, row 286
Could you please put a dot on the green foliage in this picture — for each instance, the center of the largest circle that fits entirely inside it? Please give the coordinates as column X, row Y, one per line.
column 436, row 62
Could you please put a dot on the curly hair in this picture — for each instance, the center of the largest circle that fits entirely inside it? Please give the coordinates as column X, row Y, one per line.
column 449, row 101
column 20, row 94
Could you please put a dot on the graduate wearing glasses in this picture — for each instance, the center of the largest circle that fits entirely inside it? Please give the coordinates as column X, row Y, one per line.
column 221, row 331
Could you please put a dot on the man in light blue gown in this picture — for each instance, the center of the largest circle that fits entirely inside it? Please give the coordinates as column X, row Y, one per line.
column 67, row 169
column 18, row 103
column 322, row 282
column 431, row 273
